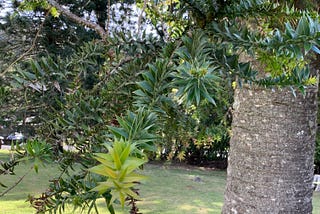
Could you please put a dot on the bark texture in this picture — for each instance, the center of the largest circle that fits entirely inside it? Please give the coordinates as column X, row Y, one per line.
column 270, row 166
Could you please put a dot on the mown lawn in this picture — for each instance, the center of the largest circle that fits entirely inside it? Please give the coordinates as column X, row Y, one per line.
column 169, row 190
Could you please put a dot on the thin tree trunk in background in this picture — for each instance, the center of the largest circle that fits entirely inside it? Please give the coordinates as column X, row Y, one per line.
column 270, row 166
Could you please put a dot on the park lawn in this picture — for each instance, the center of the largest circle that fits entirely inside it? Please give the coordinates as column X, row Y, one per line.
column 170, row 189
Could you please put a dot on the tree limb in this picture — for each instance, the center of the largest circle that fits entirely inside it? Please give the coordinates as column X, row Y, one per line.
column 102, row 33
column 141, row 14
column 16, row 183
column 33, row 45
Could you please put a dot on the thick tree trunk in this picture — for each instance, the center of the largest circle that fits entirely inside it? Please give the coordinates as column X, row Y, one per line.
column 271, row 152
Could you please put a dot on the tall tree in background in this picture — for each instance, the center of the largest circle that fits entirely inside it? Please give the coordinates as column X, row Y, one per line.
column 41, row 33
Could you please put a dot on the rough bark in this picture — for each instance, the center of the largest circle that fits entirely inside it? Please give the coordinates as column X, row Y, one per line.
column 270, row 166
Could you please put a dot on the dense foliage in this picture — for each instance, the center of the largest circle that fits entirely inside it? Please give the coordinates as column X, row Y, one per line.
column 162, row 95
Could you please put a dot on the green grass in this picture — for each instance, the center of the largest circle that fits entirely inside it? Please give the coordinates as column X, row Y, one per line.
column 169, row 190
column 178, row 190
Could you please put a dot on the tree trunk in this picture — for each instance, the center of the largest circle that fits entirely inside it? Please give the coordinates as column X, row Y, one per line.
column 271, row 152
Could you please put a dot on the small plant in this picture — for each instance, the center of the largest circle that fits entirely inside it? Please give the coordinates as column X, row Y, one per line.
column 119, row 166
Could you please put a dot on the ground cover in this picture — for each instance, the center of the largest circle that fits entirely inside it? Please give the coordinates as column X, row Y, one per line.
column 170, row 189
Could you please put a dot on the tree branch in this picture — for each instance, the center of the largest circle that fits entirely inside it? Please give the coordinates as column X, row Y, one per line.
column 102, row 33
column 16, row 183
column 141, row 14
column 33, row 45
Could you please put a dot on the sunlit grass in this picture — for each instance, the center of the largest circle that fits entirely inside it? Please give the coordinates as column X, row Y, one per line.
column 180, row 190
column 169, row 190
column 316, row 202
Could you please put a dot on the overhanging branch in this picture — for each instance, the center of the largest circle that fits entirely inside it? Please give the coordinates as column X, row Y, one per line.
column 102, row 33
